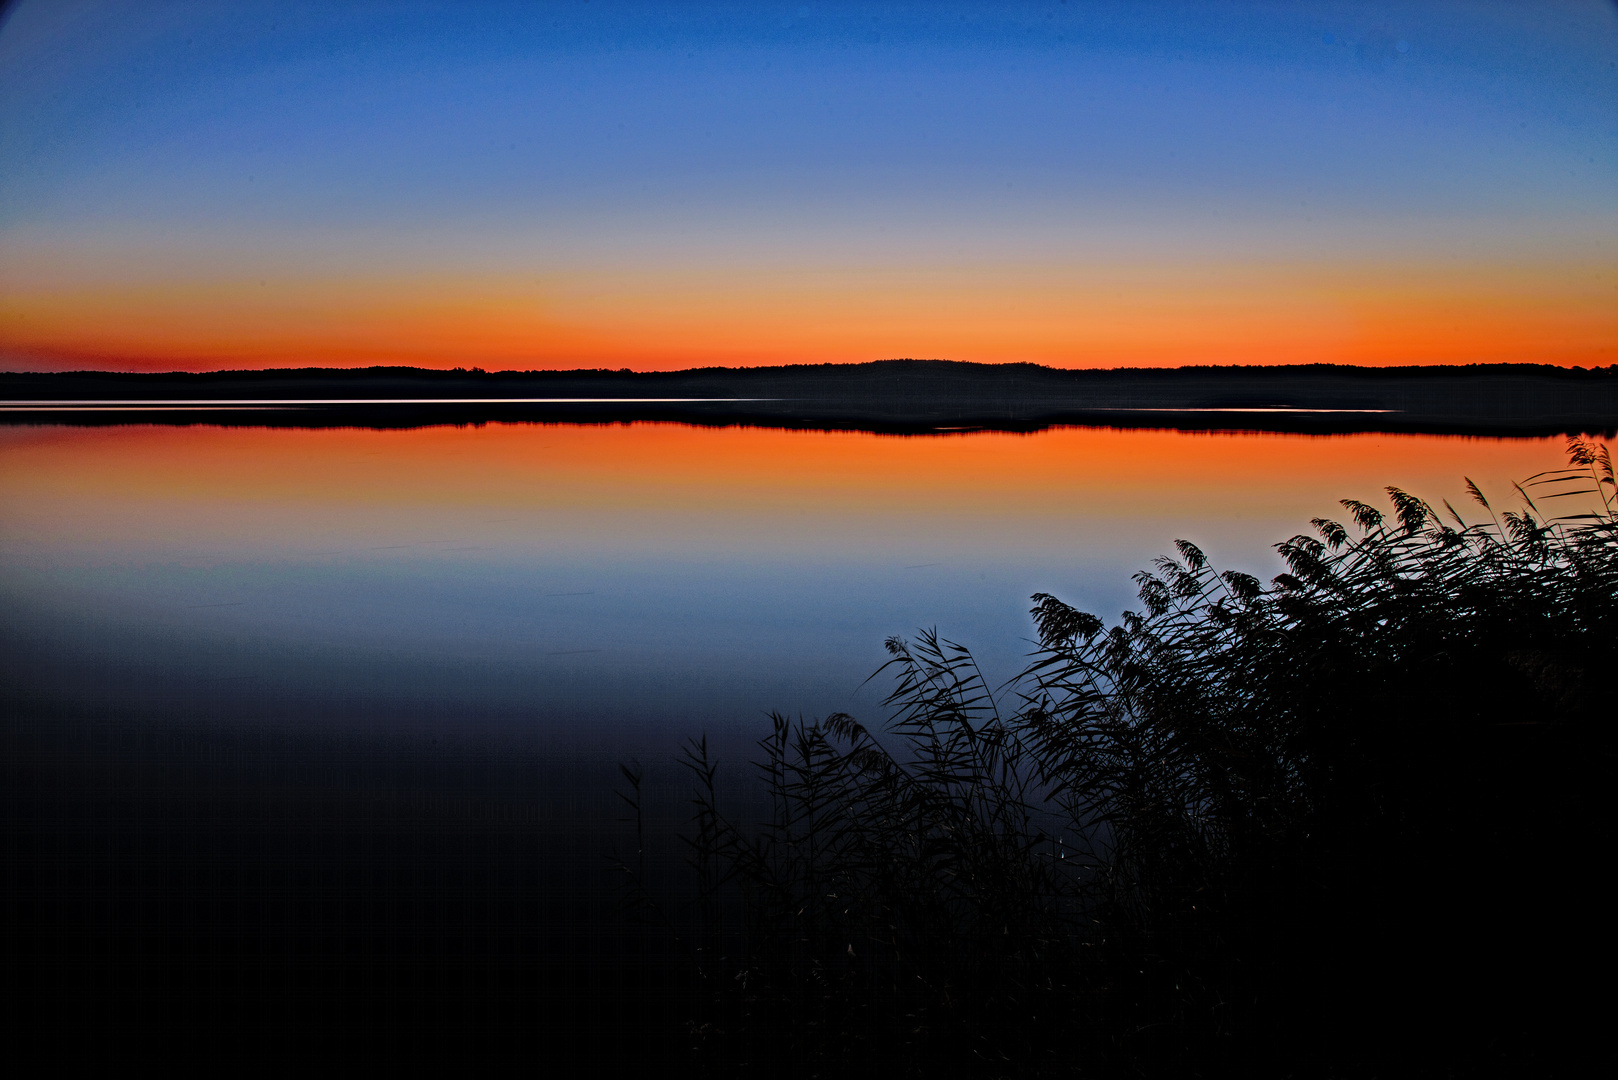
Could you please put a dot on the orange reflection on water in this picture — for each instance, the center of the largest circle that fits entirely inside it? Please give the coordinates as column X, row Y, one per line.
column 654, row 484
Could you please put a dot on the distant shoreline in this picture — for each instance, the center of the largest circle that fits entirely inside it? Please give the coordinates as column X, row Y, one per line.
column 901, row 396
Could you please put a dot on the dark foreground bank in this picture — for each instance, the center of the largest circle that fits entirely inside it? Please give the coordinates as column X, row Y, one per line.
column 889, row 395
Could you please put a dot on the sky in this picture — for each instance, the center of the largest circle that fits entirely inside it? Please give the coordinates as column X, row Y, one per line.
column 197, row 186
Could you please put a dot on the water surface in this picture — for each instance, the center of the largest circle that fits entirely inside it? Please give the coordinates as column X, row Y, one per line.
column 316, row 731
column 609, row 585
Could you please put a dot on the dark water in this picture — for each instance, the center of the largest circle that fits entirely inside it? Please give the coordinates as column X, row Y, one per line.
column 313, row 735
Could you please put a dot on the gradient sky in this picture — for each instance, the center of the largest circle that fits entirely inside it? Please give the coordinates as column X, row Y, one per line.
column 595, row 184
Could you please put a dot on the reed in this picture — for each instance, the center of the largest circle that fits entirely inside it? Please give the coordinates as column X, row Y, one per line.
column 1353, row 816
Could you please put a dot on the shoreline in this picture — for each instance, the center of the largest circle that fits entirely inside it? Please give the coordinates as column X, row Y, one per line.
column 889, row 396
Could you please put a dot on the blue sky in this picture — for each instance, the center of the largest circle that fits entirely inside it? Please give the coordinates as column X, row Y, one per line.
column 185, row 142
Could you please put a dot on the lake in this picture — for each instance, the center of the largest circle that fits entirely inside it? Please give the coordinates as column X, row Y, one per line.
column 316, row 731
column 611, row 584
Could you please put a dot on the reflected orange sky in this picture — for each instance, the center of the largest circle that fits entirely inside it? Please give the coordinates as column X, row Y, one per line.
column 652, row 486
column 614, row 574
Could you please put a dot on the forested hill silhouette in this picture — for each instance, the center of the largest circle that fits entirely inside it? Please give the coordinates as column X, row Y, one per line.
column 885, row 395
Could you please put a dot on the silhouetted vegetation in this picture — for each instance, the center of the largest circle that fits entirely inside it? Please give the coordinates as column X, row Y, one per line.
column 1352, row 822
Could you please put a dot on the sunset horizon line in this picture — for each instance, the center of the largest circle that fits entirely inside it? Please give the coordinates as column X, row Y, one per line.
column 478, row 370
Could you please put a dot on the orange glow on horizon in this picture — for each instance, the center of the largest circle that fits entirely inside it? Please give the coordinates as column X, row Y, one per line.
column 1149, row 316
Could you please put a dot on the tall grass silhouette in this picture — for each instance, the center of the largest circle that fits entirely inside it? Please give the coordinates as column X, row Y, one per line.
column 1355, row 816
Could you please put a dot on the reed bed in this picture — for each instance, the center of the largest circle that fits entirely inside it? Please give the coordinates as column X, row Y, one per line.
column 1350, row 822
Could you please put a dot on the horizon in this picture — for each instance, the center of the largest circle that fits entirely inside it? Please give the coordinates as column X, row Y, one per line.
column 1405, row 369
column 246, row 187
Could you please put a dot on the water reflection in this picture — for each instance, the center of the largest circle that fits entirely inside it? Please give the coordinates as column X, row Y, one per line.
column 607, row 583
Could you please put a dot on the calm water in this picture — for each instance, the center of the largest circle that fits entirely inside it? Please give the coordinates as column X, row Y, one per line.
column 317, row 731
column 607, row 586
